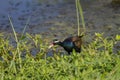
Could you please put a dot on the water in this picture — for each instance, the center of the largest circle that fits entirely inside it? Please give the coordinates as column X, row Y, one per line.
column 15, row 9
column 21, row 10
column 43, row 14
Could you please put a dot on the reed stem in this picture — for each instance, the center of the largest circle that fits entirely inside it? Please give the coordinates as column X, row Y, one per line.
column 79, row 13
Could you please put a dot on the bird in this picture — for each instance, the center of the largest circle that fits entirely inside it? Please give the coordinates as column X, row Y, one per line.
column 69, row 43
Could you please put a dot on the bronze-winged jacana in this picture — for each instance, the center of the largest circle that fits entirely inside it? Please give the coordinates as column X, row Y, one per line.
column 69, row 44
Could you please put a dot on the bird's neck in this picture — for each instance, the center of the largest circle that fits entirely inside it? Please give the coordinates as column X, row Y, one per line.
column 60, row 43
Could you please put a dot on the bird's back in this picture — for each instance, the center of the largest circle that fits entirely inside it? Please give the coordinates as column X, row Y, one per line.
column 75, row 39
column 72, row 43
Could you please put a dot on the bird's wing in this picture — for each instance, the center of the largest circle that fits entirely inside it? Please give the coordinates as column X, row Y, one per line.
column 77, row 41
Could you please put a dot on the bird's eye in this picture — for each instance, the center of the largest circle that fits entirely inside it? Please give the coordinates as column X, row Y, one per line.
column 56, row 41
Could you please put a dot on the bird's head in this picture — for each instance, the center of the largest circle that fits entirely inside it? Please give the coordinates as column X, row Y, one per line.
column 54, row 42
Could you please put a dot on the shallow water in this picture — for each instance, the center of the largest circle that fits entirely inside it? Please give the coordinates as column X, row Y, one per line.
column 43, row 14
column 21, row 10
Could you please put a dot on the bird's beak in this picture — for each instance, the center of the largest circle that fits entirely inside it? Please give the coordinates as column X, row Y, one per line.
column 51, row 45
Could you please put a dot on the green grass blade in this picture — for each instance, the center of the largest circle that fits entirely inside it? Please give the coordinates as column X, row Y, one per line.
column 79, row 13
column 16, row 39
column 78, row 20
column 28, row 20
column 82, row 16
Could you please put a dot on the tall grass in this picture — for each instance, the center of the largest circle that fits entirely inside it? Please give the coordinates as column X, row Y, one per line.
column 17, row 53
column 28, row 20
column 79, row 13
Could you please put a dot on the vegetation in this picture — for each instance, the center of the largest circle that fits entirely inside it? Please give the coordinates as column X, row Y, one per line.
column 96, row 61
column 79, row 13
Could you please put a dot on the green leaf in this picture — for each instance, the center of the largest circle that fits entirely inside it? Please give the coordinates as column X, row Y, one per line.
column 117, row 37
column 76, row 62
column 99, row 34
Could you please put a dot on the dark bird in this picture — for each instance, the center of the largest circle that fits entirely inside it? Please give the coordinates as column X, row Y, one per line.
column 69, row 44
